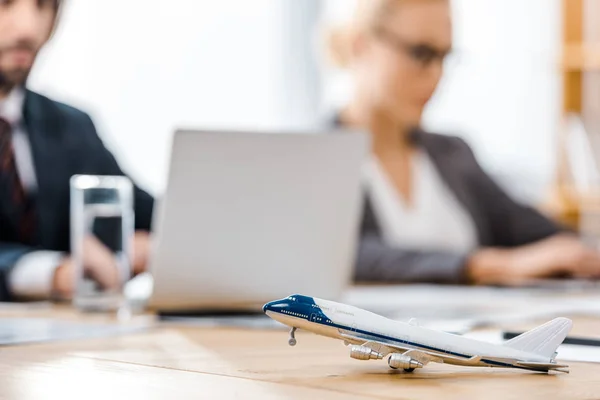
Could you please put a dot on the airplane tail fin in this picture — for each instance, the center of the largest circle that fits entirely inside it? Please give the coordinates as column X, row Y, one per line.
column 543, row 340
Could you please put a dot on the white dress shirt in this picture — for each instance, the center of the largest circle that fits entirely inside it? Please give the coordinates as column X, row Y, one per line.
column 32, row 276
column 436, row 221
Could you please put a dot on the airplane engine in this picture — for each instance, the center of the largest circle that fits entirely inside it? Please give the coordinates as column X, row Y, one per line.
column 400, row 361
column 364, row 353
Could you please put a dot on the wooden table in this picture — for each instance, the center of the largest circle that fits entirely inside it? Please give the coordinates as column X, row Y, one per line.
column 171, row 362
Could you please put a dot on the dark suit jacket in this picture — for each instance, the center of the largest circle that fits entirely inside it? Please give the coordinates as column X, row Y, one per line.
column 64, row 143
column 500, row 221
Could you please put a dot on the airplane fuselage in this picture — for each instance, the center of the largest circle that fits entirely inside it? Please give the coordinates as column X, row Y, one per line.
column 357, row 326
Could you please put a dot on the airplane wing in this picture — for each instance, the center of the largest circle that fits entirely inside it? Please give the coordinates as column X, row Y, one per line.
column 380, row 347
column 423, row 357
column 384, row 349
column 426, row 357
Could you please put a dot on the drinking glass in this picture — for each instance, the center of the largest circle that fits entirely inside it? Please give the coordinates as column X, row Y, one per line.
column 102, row 230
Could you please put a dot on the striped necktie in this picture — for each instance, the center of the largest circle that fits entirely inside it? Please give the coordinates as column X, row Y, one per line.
column 21, row 205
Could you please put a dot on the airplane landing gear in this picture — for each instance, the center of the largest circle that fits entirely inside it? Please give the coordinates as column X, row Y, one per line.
column 292, row 341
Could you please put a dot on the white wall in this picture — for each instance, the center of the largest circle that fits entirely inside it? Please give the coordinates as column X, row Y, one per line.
column 502, row 92
column 144, row 67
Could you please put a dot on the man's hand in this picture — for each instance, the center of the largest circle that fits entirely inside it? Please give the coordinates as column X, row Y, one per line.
column 557, row 256
column 99, row 262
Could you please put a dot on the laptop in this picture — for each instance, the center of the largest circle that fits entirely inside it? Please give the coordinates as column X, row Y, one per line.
column 249, row 217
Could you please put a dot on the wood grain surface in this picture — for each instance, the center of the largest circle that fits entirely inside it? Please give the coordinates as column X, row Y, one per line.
column 196, row 363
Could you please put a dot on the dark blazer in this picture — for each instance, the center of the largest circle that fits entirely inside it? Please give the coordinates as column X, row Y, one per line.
column 64, row 143
column 500, row 221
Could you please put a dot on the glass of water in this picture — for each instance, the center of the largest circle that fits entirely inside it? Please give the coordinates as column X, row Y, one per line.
column 102, row 230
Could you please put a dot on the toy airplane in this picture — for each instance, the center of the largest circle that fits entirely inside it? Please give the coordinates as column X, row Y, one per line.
column 373, row 337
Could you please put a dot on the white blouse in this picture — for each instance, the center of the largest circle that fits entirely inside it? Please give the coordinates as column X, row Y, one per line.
column 436, row 221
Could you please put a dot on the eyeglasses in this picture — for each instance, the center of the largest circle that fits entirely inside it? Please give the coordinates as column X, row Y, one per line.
column 424, row 54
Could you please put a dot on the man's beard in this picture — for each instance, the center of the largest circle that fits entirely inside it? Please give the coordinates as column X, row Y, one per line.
column 11, row 79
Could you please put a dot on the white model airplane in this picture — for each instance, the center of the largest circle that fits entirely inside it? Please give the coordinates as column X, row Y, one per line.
column 373, row 337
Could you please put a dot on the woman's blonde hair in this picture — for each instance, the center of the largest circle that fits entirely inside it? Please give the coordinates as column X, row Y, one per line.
column 339, row 37
column 367, row 14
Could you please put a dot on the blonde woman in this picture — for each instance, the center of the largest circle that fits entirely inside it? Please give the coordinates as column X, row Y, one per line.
column 432, row 214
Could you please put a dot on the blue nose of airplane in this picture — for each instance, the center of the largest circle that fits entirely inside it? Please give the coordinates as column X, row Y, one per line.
column 266, row 307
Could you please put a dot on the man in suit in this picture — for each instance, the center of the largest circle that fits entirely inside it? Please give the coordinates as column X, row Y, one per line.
column 44, row 143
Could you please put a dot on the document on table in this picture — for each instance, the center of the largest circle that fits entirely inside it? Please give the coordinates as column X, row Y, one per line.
column 15, row 331
column 459, row 309
column 25, row 307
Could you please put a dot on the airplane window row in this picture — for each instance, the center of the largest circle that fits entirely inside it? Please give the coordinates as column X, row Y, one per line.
column 319, row 319
column 295, row 314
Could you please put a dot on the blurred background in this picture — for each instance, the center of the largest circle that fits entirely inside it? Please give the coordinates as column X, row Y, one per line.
column 523, row 86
